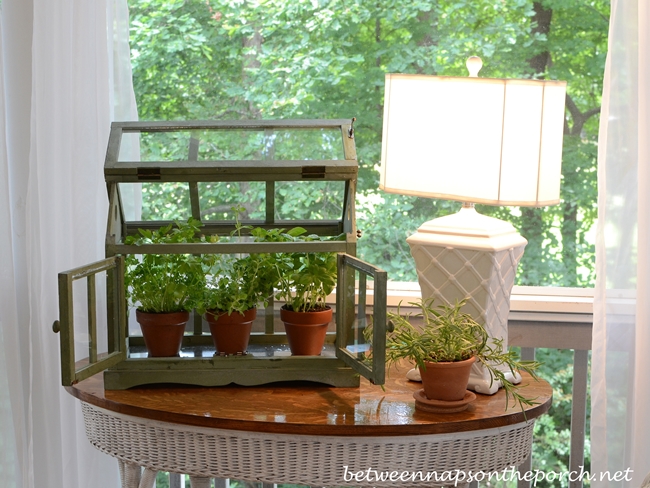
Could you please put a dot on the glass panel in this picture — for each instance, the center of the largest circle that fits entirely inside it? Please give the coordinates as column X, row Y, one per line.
column 90, row 320
column 131, row 196
column 164, row 146
column 90, row 324
column 233, row 145
column 309, row 200
column 218, row 198
column 361, row 317
column 165, row 201
column 230, row 145
column 130, row 147
column 356, row 343
column 306, row 144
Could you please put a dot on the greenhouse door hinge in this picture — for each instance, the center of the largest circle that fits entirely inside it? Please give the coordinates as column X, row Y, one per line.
column 148, row 173
column 313, row 172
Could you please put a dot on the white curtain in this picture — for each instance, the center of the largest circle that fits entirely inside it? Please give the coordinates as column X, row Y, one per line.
column 63, row 79
column 620, row 385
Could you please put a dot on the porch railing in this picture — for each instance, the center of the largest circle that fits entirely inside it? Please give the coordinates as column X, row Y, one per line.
column 559, row 331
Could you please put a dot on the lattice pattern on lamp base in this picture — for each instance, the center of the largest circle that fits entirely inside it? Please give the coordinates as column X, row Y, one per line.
column 484, row 277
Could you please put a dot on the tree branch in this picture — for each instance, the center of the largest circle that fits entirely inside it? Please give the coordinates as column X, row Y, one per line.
column 579, row 118
column 572, row 107
column 591, row 112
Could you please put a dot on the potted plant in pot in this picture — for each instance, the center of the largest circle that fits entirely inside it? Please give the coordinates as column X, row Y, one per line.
column 444, row 348
column 164, row 288
column 304, row 282
column 234, row 287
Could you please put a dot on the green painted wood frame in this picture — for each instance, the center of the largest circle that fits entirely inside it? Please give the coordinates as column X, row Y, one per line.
column 73, row 370
column 124, row 371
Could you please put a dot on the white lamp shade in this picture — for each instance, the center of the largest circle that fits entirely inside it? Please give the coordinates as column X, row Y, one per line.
column 476, row 140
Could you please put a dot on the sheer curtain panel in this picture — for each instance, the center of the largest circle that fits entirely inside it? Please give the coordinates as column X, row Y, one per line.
column 620, row 385
column 63, row 78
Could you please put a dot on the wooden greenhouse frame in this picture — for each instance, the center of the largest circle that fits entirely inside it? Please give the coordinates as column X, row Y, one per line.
column 124, row 369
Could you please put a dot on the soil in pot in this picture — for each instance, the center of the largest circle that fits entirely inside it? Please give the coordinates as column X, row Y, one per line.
column 446, row 381
column 162, row 332
column 230, row 333
column 306, row 330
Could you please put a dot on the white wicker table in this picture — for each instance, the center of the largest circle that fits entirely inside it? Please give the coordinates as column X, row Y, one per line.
column 308, row 435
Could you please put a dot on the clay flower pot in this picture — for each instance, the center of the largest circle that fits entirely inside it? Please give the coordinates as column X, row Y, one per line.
column 230, row 333
column 306, row 330
column 162, row 332
column 446, row 381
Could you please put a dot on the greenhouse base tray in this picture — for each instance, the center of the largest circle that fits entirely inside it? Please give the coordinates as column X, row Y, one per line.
column 242, row 371
column 200, row 366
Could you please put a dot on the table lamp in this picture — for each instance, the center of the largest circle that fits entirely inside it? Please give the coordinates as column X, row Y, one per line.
column 474, row 140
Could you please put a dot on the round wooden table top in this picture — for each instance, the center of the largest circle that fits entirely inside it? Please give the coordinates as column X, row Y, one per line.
column 312, row 409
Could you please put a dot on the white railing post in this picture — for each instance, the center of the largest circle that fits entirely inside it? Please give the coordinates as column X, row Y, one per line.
column 578, row 414
column 527, row 354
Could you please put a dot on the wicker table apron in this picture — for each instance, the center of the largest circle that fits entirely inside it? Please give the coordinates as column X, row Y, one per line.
column 309, row 435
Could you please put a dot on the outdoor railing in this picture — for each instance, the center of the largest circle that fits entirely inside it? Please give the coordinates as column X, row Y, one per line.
column 554, row 330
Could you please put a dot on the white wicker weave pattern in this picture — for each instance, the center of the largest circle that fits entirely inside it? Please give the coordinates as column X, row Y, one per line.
column 299, row 459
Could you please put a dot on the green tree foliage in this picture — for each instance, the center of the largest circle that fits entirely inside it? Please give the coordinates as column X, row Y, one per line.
column 218, row 59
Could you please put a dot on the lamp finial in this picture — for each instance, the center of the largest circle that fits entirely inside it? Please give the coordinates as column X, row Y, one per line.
column 474, row 65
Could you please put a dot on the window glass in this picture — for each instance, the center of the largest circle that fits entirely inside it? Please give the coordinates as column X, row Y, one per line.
column 164, row 201
column 221, row 200
column 309, row 200
column 311, row 59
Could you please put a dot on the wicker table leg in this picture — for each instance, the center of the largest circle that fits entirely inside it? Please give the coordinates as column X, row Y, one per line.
column 148, row 478
column 200, row 482
column 131, row 475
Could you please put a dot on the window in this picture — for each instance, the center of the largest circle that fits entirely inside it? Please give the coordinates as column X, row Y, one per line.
column 217, row 59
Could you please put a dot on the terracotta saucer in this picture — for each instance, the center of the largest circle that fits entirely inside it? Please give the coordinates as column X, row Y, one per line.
column 423, row 404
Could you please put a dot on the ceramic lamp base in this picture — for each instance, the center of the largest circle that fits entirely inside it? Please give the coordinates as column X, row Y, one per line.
column 481, row 381
column 470, row 256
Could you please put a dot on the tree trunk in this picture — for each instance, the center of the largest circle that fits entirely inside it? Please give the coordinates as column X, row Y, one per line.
column 569, row 240
column 532, row 224
column 572, row 177
column 428, row 37
column 542, row 19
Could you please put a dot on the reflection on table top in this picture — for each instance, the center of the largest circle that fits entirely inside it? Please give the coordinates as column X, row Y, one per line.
column 312, row 409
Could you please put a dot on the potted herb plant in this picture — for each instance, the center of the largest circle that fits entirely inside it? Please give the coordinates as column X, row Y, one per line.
column 304, row 282
column 234, row 288
column 444, row 348
column 164, row 288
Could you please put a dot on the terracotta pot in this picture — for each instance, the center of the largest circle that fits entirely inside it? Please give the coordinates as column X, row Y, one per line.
column 162, row 332
column 230, row 333
column 446, row 381
column 306, row 330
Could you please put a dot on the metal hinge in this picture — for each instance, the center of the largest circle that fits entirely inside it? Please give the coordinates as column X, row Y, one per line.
column 148, row 173
column 313, row 172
